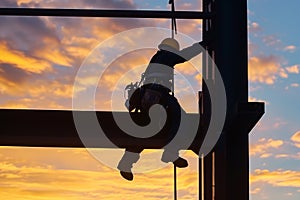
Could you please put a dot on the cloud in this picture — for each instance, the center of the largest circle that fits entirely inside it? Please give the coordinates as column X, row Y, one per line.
column 77, row 4
column 30, row 173
column 288, row 156
column 271, row 125
column 45, row 45
column 292, row 85
column 28, row 33
column 254, row 27
column 252, row 48
column 295, row 85
column 265, row 69
column 296, row 139
column 255, row 190
column 253, row 99
column 187, row 5
column 277, row 178
column 8, row 3
column 293, row 69
column 273, row 41
column 35, row 92
column 21, row 60
column 263, row 146
column 11, row 73
column 290, row 48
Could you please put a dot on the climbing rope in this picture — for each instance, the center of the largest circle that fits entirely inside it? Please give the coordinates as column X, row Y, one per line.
column 173, row 20
column 173, row 32
column 175, row 183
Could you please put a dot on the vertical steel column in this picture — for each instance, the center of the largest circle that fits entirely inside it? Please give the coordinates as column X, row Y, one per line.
column 226, row 168
column 208, row 78
column 231, row 152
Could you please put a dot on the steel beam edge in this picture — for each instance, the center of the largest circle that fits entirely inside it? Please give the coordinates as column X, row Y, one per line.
column 103, row 13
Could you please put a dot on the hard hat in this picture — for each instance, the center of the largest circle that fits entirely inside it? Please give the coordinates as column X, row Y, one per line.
column 171, row 42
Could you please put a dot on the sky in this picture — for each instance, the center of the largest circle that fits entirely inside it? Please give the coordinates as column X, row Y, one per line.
column 39, row 63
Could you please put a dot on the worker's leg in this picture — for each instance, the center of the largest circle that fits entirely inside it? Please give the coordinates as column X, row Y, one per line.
column 130, row 157
column 171, row 152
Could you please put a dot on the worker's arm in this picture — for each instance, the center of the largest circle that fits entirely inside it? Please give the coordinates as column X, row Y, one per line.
column 192, row 51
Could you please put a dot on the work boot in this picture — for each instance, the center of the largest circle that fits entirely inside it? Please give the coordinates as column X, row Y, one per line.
column 127, row 175
column 180, row 162
column 126, row 163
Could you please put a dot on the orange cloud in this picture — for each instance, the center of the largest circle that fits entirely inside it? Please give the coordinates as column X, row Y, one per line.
column 22, row 61
column 70, row 174
column 36, row 94
column 54, row 55
column 265, row 69
column 278, row 178
column 253, row 99
column 263, row 146
column 296, row 139
column 255, row 190
column 189, row 27
column 293, row 69
column 293, row 156
column 188, row 68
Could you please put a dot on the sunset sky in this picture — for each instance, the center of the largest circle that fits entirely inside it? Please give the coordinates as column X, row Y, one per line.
column 39, row 60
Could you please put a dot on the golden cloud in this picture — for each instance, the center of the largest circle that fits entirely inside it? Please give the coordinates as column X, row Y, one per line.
column 22, row 61
column 255, row 190
column 54, row 56
column 30, row 173
column 36, row 94
column 265, row 69
column 292, row 156
column 293, row 69
column 296, row 139
column 278, row 178
column 263, row 146
column 253, row 99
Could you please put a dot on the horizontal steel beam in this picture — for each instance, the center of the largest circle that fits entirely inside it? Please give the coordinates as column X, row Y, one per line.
column 103, row 13
column 56, row 128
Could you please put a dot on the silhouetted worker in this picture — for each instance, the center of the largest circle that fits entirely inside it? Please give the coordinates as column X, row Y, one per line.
column 157, row 89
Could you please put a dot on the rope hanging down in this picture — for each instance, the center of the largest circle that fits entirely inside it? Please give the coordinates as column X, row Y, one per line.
column 174, row 26
column 175, row 183
column 173, row 32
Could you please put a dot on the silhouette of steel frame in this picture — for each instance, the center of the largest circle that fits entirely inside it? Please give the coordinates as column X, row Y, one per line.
column 226, row 168
column 103, row 13
column 34, row 127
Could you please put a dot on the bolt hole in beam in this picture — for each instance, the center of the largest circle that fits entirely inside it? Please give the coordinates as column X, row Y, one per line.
column 104, row 13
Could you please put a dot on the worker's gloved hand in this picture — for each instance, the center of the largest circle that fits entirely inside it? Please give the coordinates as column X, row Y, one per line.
column 206, row 42
column 203, row 44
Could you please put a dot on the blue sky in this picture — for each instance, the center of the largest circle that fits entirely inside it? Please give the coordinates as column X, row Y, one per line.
column 276, row 35
column 31, row 77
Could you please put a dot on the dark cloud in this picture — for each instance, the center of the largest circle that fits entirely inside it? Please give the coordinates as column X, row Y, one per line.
column 111, row 4
column 26, row 33
column 12, row 73
column 8, row 3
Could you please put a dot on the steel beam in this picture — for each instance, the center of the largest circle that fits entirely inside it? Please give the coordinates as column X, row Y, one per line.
column 56, row 128
column 103, row 13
